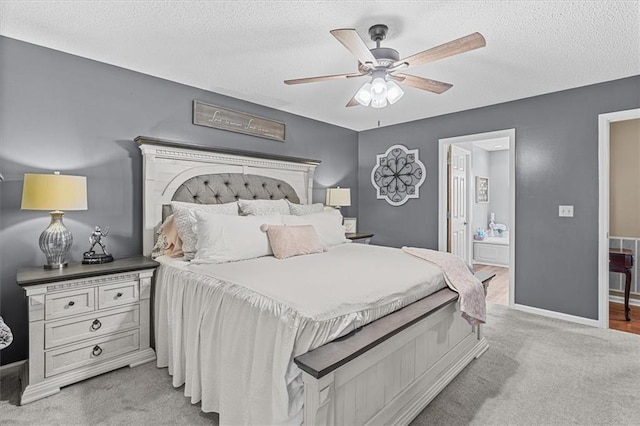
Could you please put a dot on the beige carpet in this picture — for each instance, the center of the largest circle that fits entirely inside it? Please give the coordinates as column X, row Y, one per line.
column 537, row 371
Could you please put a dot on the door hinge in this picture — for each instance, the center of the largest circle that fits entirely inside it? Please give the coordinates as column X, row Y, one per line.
column 448, row 215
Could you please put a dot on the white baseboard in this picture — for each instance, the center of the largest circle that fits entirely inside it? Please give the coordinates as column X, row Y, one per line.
column 501, row 265
column 618, row 299
column 557, row 315
column 12, row 365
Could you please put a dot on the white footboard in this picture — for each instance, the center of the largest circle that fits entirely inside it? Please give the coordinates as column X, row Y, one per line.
column 395, row 375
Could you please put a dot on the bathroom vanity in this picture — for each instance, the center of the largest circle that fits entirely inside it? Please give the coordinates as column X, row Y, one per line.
column 492, row 251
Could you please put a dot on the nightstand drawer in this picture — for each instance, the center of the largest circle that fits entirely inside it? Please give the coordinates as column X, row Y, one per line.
column 92, row 352
column 117, row 294
column 72, row 330
column 72, row 302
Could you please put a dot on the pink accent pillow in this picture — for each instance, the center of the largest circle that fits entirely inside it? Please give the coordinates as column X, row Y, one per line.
column 174, row 243
column 288, row 241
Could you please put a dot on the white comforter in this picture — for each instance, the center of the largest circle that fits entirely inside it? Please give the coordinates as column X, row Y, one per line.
column 229, row 332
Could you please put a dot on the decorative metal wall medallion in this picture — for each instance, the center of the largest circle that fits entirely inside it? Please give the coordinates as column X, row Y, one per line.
column 398, row 174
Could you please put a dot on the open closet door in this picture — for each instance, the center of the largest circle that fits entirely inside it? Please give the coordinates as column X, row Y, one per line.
column 457, row 199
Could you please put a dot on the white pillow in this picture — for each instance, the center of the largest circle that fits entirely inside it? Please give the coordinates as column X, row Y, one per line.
column 304, row 209
column 185, row 219
column 263, row 207
column 327, row 224
column 224, row 238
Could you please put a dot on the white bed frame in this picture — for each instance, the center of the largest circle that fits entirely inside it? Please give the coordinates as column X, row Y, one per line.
column 391, row 381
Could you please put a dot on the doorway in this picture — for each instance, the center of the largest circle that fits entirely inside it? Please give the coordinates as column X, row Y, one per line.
column 609, row 283
column 494, row 248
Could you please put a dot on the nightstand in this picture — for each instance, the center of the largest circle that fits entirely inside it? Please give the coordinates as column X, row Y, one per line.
column 85, row 320
column 359, row 237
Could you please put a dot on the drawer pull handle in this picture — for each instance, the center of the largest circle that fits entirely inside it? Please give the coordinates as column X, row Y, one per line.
column 97, row 350
column 71, row 303
column 119, row 295
column 96, row 325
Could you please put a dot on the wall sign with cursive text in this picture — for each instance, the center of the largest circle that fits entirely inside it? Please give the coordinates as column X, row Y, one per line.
column 234, row 121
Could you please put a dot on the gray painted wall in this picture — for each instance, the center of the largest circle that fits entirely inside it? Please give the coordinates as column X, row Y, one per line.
column 499, row 186
column 63, row 112
column 556, row 163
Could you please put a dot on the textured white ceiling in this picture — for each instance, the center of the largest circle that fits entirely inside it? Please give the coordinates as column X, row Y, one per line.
column 245, row 49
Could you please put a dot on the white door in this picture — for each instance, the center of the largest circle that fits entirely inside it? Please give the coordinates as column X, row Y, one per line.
column 458, row 196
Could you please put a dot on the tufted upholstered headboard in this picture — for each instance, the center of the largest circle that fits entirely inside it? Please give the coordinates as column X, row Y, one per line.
column 229, row 187
column 176, row 171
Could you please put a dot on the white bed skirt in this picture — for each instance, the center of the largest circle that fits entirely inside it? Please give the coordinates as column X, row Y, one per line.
column 233, row 348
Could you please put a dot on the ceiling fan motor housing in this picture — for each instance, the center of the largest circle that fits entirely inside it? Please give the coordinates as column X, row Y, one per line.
column 386, row 56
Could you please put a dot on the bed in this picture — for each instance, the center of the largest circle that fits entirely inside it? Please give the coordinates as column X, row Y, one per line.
column 244, row 343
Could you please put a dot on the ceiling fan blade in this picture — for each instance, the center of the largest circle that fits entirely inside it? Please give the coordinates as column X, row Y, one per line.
column 422, row 83
column 352, row 102
column 454, row 47
column 321, row 78
column 354, row 44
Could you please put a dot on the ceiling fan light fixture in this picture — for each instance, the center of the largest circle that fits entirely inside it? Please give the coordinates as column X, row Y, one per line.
column 378, row 87
column 382, row 63
column 394, row 92
column 363, row 96
column 379, row 102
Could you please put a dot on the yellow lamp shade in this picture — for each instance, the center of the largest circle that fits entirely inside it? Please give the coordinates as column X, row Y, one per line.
column 54, row 192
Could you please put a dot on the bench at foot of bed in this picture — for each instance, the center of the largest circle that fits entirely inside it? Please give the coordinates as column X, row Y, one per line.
column 389, row 370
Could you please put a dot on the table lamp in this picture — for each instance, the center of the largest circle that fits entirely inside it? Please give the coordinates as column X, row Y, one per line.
column 338, row 197
column 54, row 192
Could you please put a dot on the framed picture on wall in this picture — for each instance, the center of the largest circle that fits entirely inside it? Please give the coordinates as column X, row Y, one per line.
column 482, row 189
column 350, row 225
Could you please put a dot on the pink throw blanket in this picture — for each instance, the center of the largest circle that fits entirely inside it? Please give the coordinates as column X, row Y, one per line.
column 459, row 279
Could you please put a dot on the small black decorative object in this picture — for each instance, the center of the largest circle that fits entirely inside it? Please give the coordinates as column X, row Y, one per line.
column 90, row 256
column 398, row 174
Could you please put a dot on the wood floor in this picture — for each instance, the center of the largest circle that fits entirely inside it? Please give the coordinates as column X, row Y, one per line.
column 498, row 291
column 617, row 321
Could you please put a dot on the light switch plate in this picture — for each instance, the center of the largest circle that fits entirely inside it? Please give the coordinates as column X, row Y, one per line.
column 565, row 211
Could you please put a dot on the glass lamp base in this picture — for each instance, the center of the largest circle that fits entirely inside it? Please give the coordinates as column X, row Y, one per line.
column 55, row 242
column 55, row 265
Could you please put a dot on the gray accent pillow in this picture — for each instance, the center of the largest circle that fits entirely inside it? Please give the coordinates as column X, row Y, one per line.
column 263, row 207
column 305, row 209
column 185, row 219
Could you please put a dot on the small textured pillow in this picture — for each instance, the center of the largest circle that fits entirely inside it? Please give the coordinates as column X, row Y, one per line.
column 185, row 219
column 328, row 226
column 225, row 238
column 304, row 209
column 288, row 241
column 169, row 242
column 263, row 207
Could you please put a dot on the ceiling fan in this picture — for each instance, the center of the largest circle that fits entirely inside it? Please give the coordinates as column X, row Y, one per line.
column 384, row 66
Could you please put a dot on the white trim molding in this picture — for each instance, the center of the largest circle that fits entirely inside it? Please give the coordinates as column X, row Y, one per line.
column 16, row 365
column 556, row 315
column 620, row 299
column 604, row 122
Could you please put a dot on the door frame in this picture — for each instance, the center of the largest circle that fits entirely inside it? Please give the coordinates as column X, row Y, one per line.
column 604, row 123
column 442, row 194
